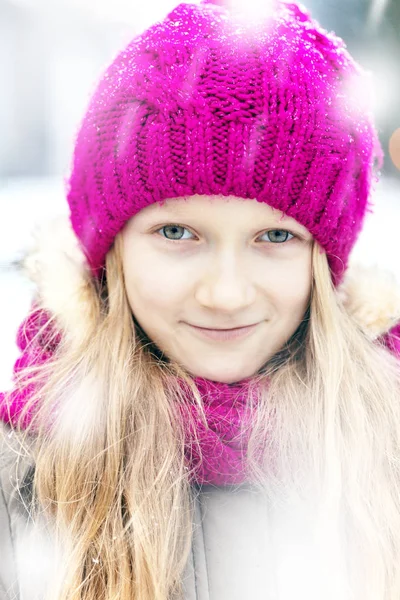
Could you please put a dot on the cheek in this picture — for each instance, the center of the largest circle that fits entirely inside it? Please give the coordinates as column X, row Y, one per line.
column 292, row 288
column 151, row 284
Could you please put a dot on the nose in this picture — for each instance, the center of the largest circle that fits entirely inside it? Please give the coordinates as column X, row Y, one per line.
column 224, row 285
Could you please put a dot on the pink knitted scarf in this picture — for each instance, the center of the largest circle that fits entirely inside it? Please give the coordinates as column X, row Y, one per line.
column 218, row 456
column 223, row 443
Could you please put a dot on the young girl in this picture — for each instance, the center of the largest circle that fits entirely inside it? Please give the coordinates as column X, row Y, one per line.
column 206, row 404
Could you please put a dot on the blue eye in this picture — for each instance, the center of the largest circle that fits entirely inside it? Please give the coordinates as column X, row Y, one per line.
column 174, row 232
column 177, row 232
column 277, row 236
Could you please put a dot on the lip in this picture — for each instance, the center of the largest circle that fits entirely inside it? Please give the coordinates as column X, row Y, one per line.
column 223, row 335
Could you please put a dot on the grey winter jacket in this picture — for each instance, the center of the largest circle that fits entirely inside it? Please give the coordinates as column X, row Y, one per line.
column 240, row 549
column 229, row 558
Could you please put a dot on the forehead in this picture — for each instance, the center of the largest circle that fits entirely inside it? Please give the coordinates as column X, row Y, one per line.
column 207, row 207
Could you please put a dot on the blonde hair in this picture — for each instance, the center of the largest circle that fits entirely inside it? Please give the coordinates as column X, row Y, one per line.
column 109, row 446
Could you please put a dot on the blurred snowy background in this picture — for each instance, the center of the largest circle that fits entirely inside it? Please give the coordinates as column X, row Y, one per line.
column 52, row 52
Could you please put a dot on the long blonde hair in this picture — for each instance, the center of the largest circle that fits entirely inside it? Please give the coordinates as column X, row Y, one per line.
column 109, row 446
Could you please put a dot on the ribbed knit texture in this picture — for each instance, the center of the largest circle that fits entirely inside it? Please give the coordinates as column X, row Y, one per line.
column 220, row 456
column 203, row 103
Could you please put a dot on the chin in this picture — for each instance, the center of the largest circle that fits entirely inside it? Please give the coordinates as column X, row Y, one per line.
column 225, row 374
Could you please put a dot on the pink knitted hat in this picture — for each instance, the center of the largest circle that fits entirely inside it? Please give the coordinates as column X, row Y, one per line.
column 204, row 103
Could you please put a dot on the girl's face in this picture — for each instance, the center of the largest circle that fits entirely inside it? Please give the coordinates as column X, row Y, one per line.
column 217, row 263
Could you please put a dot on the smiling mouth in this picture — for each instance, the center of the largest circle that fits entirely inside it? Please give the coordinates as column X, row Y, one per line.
column 223, row 328
column 225, row 334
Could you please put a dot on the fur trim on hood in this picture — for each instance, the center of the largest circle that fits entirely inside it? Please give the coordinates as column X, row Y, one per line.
column 57, row 266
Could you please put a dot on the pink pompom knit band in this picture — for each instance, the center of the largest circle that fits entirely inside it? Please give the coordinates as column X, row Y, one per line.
column 203, row 103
